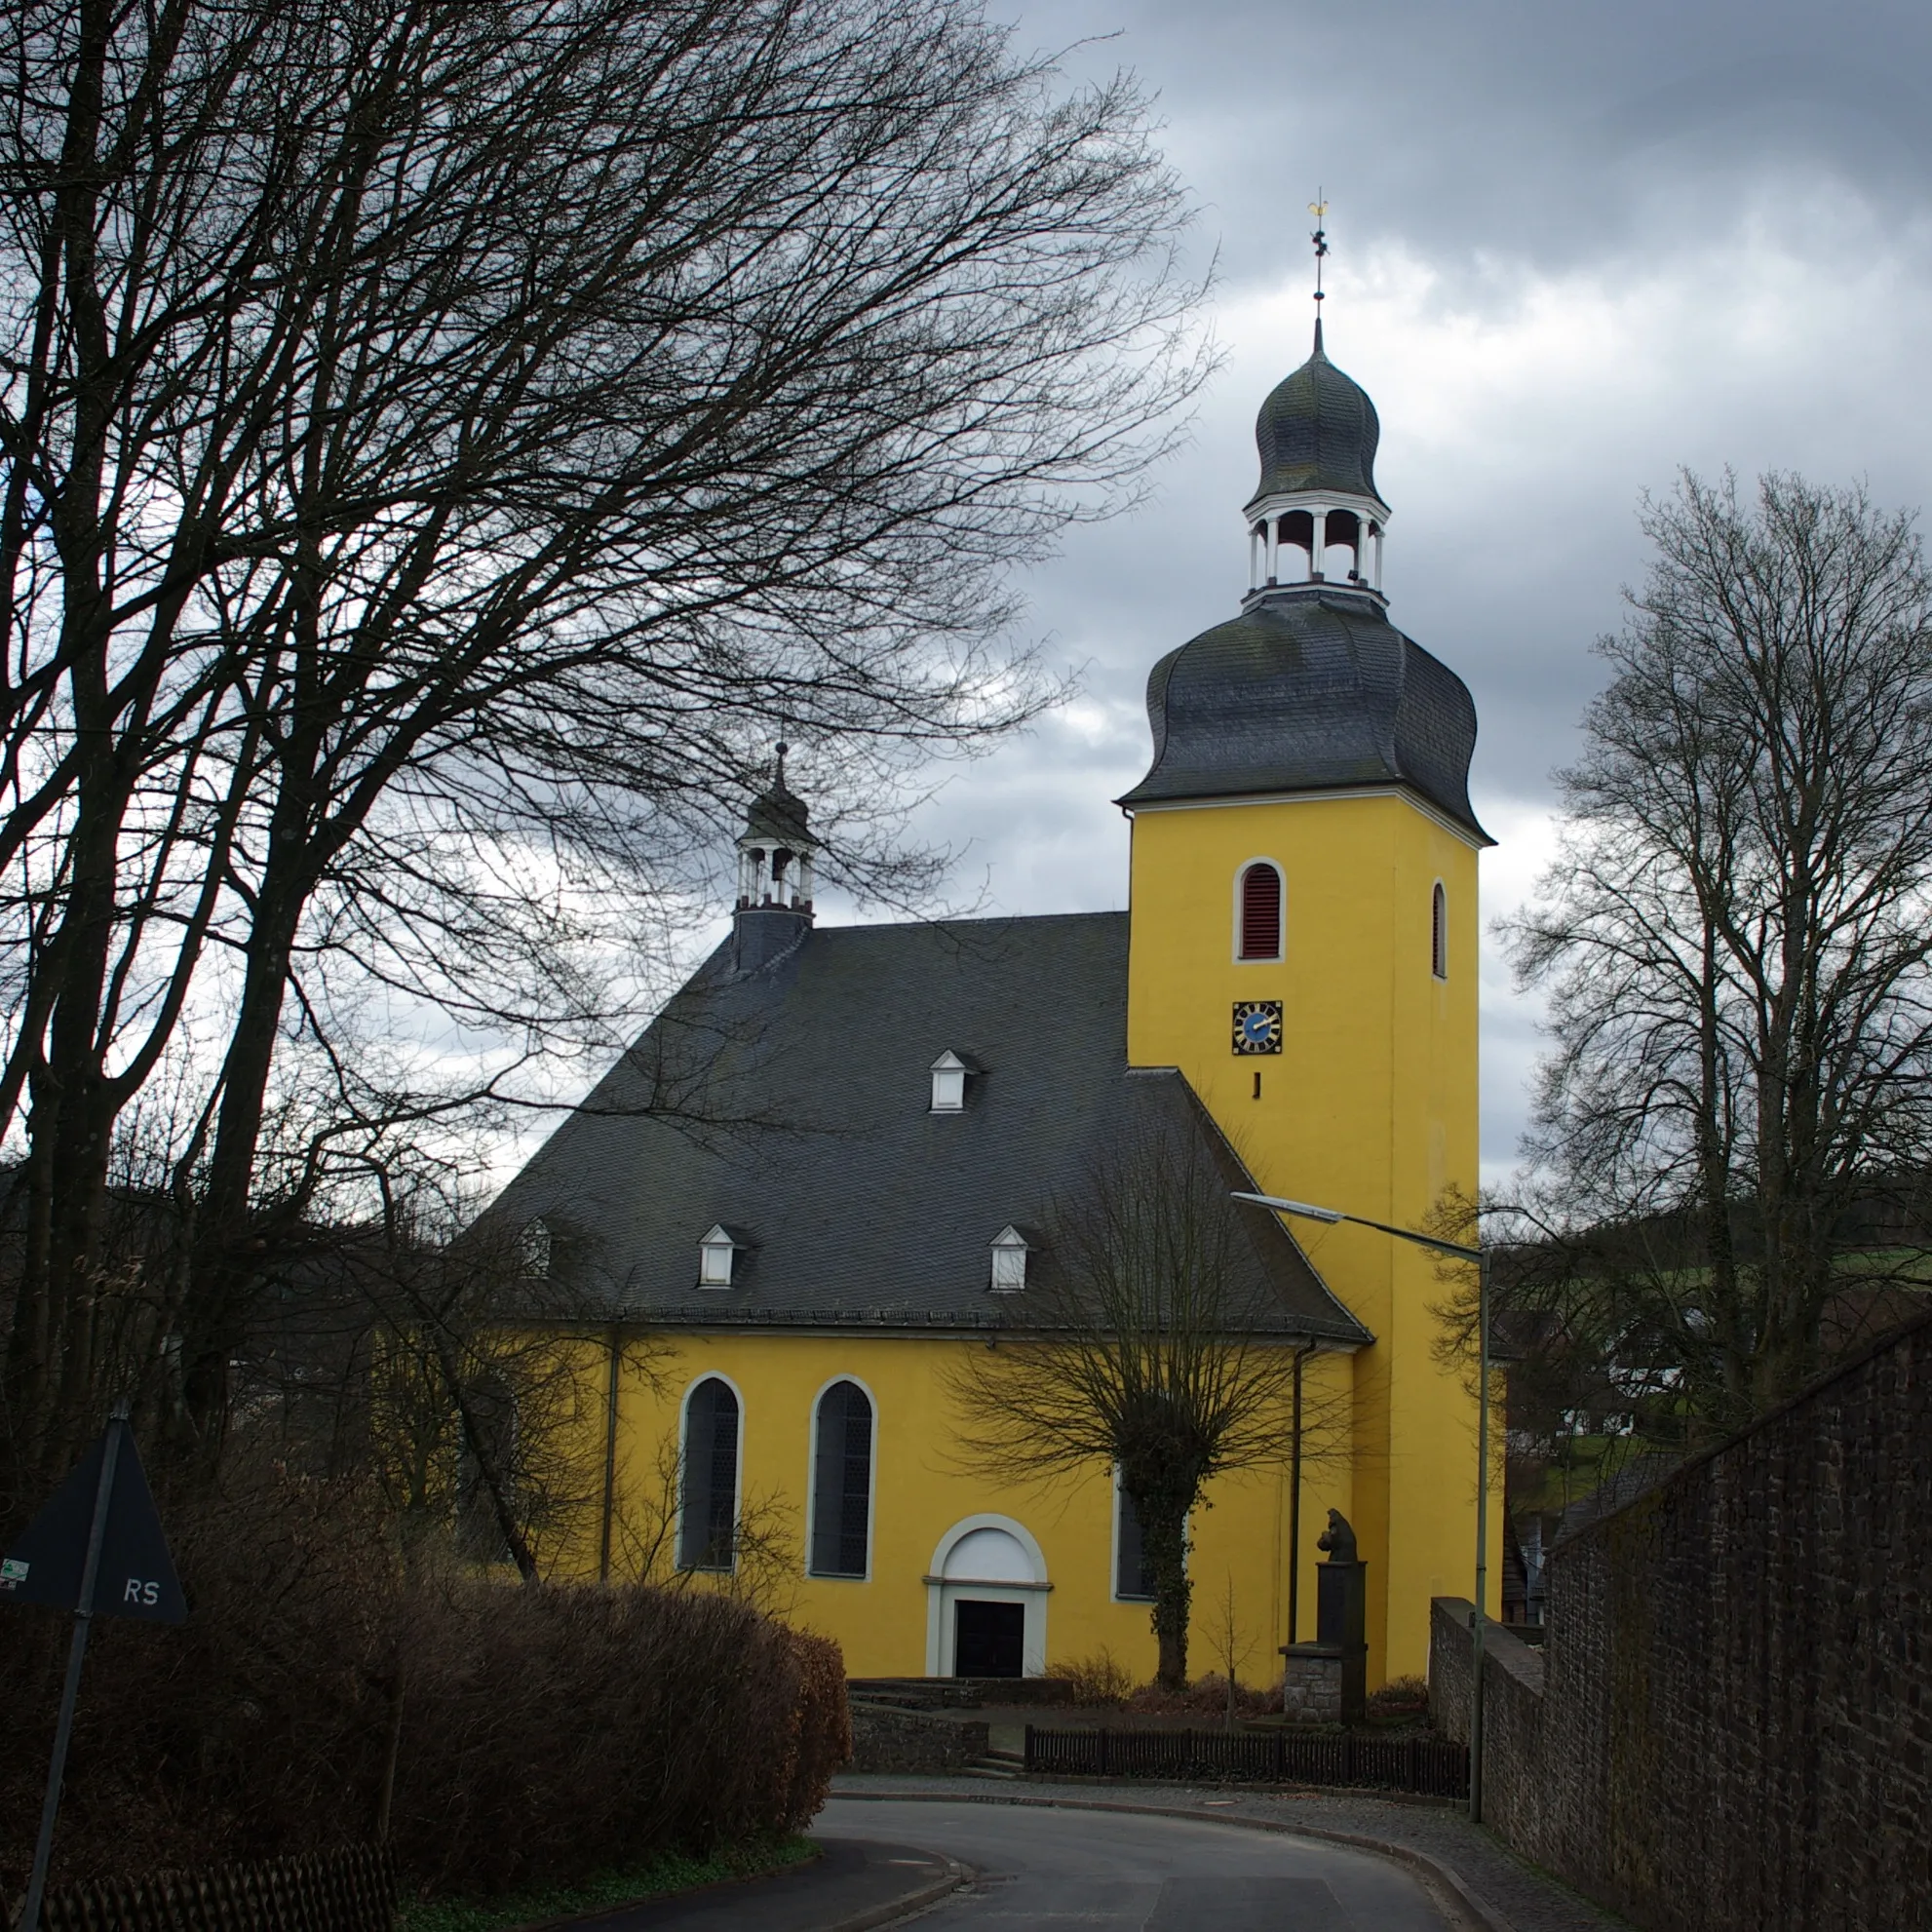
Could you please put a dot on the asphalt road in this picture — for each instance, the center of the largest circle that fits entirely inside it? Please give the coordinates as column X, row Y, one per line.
column 1056, row 1870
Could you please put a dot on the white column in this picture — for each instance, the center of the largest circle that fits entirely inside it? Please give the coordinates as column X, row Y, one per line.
column 1274, row 547
column 1378, row 557
column 1256, row 542
column 1318, row 519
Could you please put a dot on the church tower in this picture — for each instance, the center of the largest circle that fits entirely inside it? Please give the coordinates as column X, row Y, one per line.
column 1305, row 949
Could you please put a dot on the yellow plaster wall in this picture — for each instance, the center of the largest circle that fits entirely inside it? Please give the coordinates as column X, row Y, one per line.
column 919, row 1494
column 1371, row 1107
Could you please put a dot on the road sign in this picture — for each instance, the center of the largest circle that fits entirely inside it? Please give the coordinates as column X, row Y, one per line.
column 96, row 1549
column 135, row 1575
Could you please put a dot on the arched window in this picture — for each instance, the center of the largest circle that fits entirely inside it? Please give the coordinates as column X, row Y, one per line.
column 1439, row 933
column 842, row 1483
column 1260, row 935
column 708, row 1521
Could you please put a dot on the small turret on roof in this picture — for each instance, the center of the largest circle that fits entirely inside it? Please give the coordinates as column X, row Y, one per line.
column 775, row 855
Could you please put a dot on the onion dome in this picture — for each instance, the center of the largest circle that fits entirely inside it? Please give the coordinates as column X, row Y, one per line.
column 1308, row 692
column 1317, row 431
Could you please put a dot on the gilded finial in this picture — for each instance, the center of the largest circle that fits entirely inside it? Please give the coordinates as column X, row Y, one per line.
column 1318, row 209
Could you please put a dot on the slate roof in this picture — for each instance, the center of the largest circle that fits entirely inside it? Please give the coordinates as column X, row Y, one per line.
column 791, row 1103
column 1317, row 431
column 1310, row 689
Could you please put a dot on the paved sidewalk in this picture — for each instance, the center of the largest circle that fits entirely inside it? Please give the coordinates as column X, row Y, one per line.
column 1506, row 1894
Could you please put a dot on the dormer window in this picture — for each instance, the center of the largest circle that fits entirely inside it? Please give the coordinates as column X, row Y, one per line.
column 716, row 1251
column 949, row 1071
column 1010, row 1250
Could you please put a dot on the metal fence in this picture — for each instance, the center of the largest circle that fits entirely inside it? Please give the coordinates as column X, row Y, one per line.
column 351, row 1890
column 1428, row 1766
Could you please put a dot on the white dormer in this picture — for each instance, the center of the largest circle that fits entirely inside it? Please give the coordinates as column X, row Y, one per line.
column 716, row 1253
column 949, row 1071
column 1010, row 1250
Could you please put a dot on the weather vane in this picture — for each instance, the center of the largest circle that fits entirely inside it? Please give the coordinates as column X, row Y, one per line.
column 1318, row 209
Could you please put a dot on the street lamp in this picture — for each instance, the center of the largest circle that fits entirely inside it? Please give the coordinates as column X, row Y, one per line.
column 1481, row 1256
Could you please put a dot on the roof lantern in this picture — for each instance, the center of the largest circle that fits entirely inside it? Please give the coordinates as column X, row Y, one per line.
column 1311, row 688
column 775, row 857
column 1316, row 516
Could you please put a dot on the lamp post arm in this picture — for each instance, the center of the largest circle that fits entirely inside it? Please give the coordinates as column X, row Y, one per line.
column 1460, row 1250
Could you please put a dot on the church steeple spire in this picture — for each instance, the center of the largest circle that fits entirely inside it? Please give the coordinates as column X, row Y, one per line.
column 1317, row 435
column 1318, row 209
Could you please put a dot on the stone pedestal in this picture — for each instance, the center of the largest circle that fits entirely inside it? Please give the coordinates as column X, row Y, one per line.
column 1311, row 1683
column 1326, row 1682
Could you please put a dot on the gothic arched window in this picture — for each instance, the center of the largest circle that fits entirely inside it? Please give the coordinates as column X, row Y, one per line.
column 1439, row 933
column 707, row 1515
column 1259, row 912
column 842, row 1482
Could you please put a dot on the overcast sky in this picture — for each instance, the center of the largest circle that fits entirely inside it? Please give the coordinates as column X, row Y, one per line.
column 1574, row 248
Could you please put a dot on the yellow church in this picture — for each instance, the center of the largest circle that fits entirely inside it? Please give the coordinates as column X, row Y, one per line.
column 819, row 1175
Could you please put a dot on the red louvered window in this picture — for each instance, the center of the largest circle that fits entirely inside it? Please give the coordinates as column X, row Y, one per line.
column 1260, row 913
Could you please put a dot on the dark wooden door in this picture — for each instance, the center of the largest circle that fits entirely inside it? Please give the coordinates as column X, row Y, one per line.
column 990, row 1639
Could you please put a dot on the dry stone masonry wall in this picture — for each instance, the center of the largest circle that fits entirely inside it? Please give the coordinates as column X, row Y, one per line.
column 1730, row 1727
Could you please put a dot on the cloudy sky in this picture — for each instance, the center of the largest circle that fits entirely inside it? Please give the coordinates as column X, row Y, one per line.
column 1574, row 248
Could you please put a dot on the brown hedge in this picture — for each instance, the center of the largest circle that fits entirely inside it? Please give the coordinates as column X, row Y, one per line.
column 509, row 1735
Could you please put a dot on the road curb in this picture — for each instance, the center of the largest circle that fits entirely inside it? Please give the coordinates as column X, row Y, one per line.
column 905, row 1906
column 1470, row 1904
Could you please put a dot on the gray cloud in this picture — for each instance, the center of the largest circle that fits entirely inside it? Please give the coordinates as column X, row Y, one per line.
column 1575, row 247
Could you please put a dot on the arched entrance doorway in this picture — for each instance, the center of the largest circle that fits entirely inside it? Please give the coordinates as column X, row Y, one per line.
column 986, row 1601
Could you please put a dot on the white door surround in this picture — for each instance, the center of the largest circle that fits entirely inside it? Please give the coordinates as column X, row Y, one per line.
column 987, row 1560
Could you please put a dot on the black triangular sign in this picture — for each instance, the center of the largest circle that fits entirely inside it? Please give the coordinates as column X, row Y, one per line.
column 136, row 1576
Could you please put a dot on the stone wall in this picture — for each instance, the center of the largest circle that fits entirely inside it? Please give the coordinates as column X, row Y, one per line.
column 1734, row 1729
column 1513, row 1782
column 885, row 1738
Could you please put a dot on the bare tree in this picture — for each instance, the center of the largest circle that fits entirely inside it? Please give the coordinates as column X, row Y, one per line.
column 441, row 443
column 1231, row 1644
column 766, row 1547
column 1734, row 941
column 1156, row 1344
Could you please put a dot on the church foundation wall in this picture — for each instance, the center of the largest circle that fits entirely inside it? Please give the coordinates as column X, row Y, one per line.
column 1733, row 1731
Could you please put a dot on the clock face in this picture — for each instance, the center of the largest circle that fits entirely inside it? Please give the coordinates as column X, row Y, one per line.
column 1257, row 1025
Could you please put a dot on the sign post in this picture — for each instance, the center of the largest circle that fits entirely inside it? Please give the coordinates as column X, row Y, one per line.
column 99, row 1526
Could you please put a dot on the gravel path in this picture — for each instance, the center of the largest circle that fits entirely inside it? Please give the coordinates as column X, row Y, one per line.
column 1515, row 1897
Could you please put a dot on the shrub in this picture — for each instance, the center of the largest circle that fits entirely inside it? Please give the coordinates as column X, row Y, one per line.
column 1401, row 1700
column 1097, row 1679
column 507, row 1736
column 1206, row 1696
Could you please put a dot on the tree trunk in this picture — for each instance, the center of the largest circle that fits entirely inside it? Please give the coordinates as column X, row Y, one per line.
column 1164, row 1537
